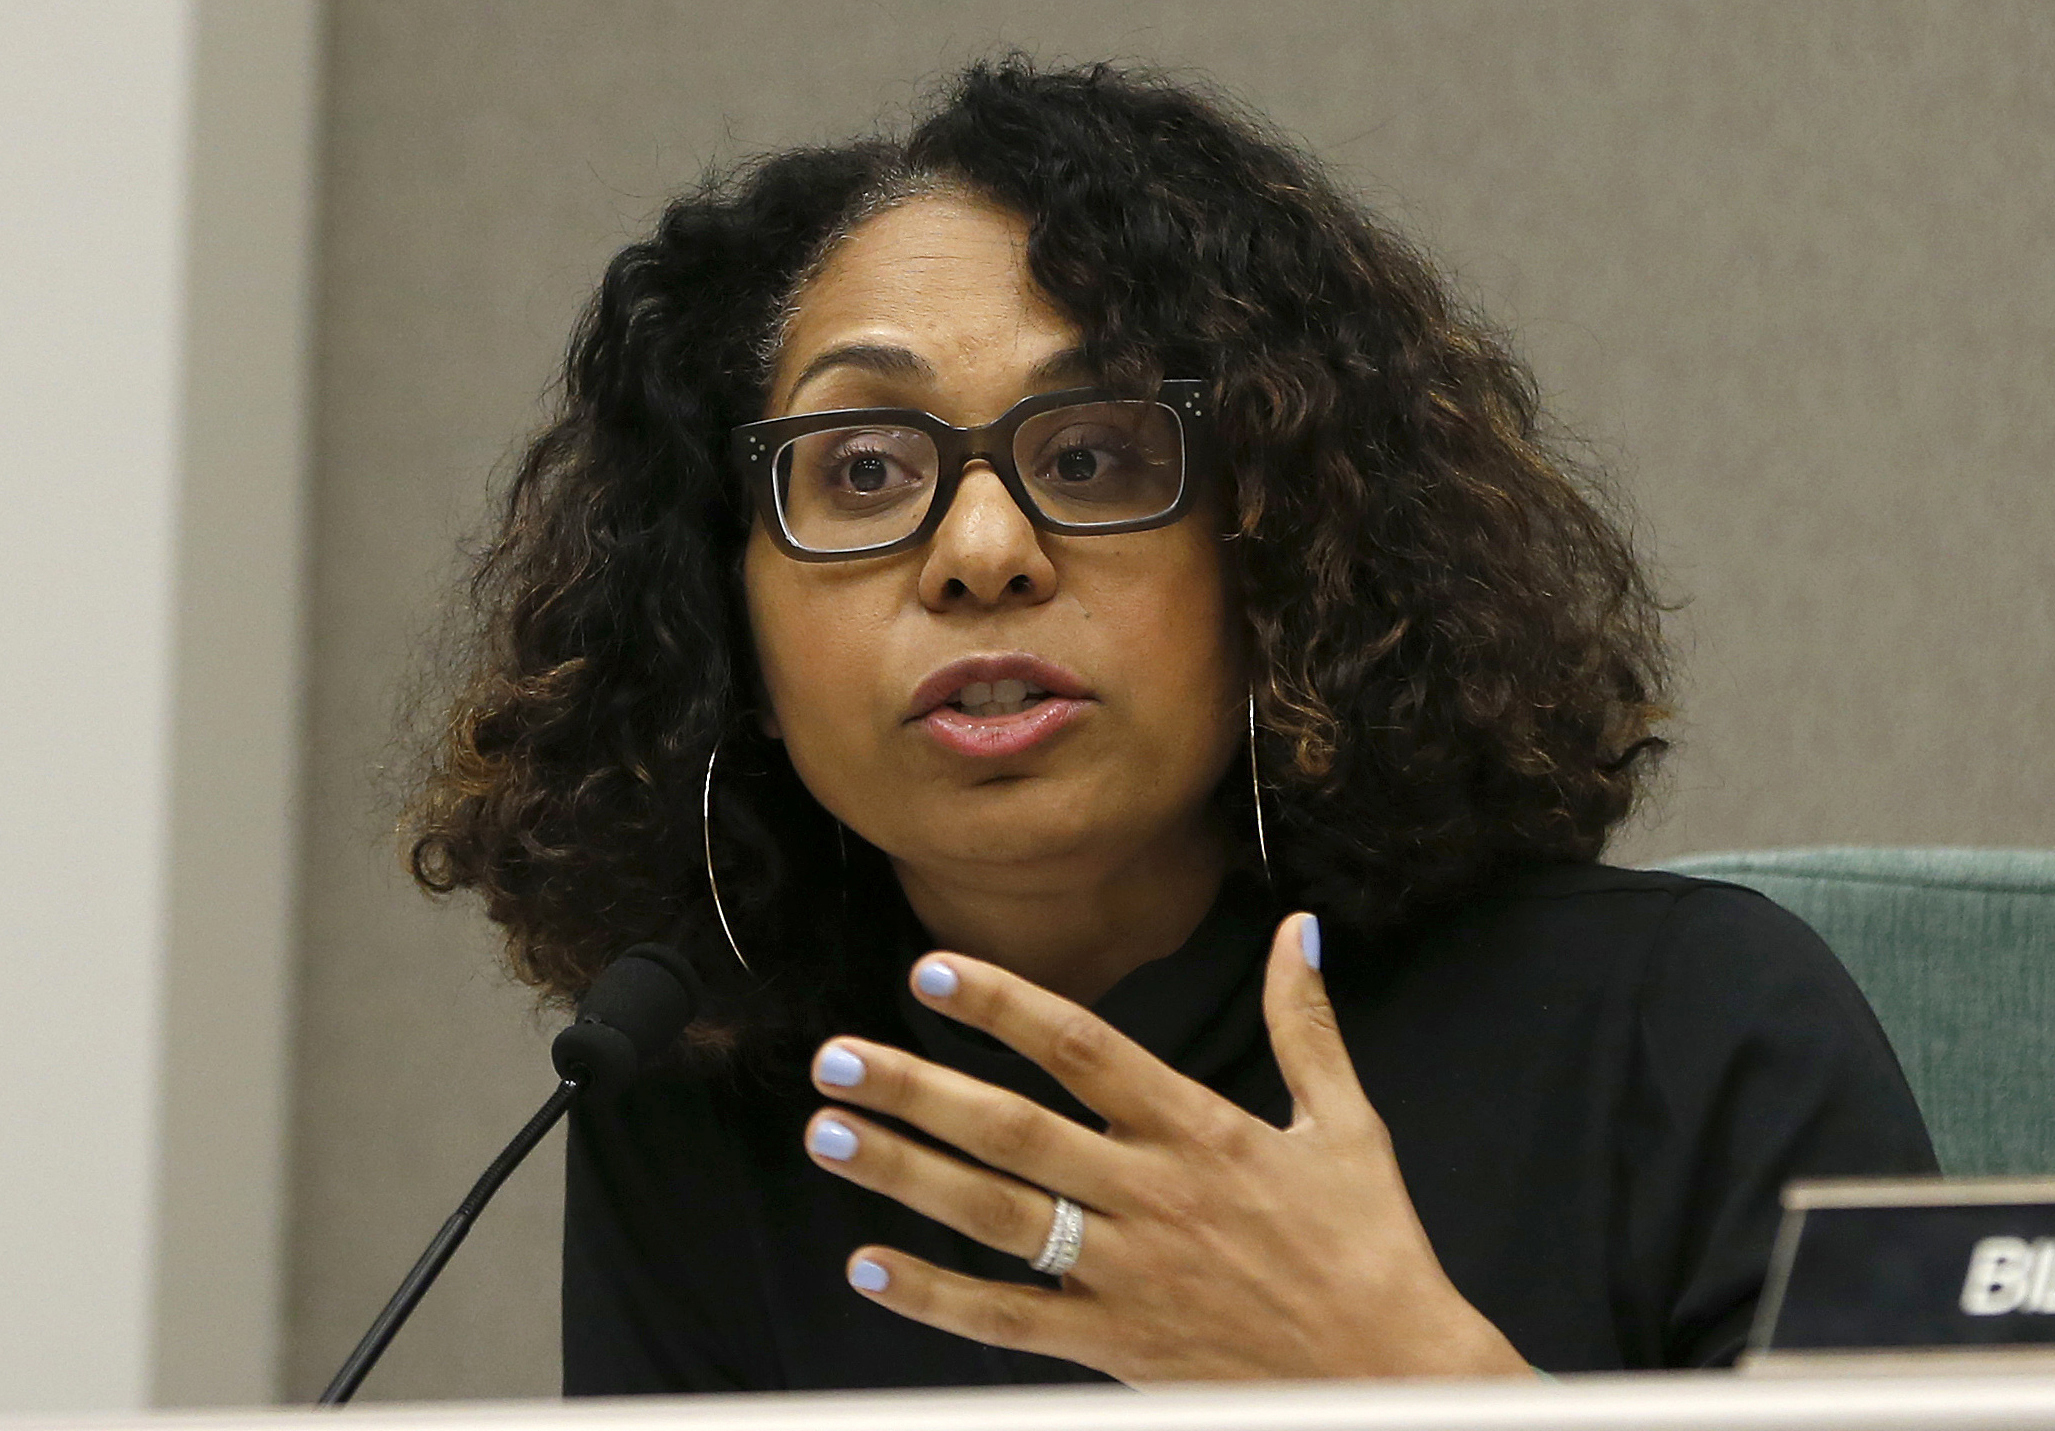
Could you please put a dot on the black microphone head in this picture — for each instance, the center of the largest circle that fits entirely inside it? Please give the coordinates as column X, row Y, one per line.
column 633, row 1012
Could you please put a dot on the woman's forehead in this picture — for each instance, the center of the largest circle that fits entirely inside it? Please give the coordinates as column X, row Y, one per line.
column 941, row 280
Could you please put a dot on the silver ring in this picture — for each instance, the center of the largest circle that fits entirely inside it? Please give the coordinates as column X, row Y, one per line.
column 1066, row 1239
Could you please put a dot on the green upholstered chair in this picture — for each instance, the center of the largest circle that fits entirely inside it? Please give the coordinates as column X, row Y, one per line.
column 1955, row 950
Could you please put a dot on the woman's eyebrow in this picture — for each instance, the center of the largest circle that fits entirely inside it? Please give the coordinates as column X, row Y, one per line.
column 890, row 361
column 1068, row 365
column 884, row 359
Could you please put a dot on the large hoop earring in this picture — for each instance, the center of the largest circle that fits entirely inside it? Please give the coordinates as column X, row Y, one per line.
column 1256, row 796
column 842, row 849
column 706, row 825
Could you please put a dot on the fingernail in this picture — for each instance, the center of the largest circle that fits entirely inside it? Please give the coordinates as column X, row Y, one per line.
column 1309, row 940
column 840, row 1067
column 832, row 1140
column 935, row 979
column 867, row 1276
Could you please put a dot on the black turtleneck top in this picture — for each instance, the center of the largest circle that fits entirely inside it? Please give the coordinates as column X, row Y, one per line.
column 1596, row 1080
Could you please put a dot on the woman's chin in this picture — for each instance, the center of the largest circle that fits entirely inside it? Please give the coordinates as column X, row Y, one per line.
column 1035, row 825
column 1026, row 846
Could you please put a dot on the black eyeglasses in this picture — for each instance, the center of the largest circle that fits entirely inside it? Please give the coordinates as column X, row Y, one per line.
column 863, row 482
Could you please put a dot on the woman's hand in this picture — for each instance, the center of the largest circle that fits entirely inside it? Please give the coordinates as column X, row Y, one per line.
column 1215, row 1246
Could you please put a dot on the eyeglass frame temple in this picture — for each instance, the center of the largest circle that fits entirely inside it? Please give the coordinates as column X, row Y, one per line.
column 754, row 448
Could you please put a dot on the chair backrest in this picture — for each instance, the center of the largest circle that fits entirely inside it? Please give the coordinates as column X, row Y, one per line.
column 1955, row 950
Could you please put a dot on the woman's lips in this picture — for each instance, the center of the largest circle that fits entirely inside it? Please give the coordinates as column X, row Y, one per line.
column 948, row 682
column 1055, row 697
column 998, row 735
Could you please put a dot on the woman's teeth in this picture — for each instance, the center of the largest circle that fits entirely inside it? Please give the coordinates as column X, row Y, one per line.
column 997, row 698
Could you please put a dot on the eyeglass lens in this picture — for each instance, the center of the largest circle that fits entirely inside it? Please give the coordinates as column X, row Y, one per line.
column 1088, row 464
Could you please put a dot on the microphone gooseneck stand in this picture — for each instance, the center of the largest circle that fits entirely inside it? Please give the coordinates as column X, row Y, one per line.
column 634, row 1011
column 444, row 1244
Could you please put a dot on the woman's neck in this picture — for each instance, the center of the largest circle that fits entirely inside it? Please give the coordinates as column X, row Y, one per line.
column 1074, row 927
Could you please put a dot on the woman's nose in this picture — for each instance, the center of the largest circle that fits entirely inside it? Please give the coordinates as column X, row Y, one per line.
column 986, row 552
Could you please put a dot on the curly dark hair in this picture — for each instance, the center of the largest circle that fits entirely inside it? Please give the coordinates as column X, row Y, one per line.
column 1457, row 658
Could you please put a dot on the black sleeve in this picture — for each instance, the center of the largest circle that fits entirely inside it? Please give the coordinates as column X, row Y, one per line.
column 1760, row 1063
column 630, row 1324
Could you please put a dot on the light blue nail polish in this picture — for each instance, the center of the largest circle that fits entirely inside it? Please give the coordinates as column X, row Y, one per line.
column 832, row 1140
column 935, row 979
column 867, row 1276
column 840, row 1067
column 1309, row 940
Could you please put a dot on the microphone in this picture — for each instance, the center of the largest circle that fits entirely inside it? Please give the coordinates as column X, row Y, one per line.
column 630, row 1015
column 634, row 1010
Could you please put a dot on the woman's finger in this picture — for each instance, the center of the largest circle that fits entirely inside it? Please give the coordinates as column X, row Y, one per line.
column 997, row 1126
column 1000, row 1314
column 1303, row 1032
column 994, row 1209
column 1104, row 1069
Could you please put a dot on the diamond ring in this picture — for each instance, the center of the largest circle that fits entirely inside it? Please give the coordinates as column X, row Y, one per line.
column 1066, row 1239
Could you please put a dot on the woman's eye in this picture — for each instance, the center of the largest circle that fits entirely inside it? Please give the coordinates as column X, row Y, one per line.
column 1078, row 464
column 868, row 472
column 1080, row 458
column 1107, row 463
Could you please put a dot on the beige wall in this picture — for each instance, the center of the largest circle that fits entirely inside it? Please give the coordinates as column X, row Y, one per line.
column 1792, row 268
column 157, row 168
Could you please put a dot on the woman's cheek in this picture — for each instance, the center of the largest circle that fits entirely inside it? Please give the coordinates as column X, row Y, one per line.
column 821, row 675
column 1184, row 658
column 778, row 628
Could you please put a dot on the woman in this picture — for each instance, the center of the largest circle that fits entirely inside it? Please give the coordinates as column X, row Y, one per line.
column 1078, row 541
